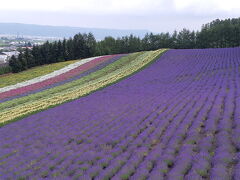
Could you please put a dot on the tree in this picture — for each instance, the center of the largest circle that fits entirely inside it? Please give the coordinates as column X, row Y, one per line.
column 185, row 39
column 60, row 52
column 28, row 58
column 15, row 65
column 21, row 59
column 70, row 49
column 64, row 50
column 91, row 45
column 216, row 34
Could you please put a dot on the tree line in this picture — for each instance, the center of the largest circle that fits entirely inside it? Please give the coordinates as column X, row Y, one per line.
column 216, row 34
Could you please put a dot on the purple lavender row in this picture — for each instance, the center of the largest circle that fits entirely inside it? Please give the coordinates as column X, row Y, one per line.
column 166, row 121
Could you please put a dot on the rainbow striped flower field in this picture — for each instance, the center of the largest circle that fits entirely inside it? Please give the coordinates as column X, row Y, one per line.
column 157, row 115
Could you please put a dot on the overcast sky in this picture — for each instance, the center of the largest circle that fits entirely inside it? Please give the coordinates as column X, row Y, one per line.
column 153, row 15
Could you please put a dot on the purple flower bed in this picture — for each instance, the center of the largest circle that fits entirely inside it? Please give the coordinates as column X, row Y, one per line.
column 177, row 119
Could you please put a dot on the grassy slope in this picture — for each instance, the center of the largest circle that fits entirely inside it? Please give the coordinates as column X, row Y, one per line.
column 124, row 67
column 11, row 79
column 71, row 85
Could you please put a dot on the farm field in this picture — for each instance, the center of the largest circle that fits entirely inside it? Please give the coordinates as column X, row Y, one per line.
column 12, row 109
column 149, row 115
column 11, row 79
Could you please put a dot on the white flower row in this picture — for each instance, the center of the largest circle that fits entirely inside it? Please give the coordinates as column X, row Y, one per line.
column 47, row 76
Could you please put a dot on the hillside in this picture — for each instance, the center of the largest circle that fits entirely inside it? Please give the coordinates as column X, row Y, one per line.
column 164, row 114
column 63, row 31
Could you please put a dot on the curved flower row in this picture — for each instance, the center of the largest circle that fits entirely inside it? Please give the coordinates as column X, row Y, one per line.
column 98, row 66
column 55, row 79
column 72, row 84
column 14, row 78
column 176, row 119
column 78, row 91
column 48, row 76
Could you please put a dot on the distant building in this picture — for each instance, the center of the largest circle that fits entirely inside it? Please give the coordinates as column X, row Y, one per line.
column 3, row 58
column 10, row 48
column 27, row 47
column 11, row 53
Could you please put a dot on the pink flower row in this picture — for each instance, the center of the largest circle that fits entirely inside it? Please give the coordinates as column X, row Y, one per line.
column 56, row 79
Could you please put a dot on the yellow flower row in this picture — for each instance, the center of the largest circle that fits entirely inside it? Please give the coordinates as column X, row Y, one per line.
column 62, row 97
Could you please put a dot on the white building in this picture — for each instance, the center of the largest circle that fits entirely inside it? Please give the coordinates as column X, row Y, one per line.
column 3, row 58
column 11, row 53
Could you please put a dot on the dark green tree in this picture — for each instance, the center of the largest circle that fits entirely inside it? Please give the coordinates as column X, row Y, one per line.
column 15, row 64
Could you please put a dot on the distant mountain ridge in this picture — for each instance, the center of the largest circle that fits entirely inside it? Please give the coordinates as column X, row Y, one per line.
column 63, row 31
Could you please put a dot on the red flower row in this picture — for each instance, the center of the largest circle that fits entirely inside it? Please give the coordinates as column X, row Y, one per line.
column 56, row 79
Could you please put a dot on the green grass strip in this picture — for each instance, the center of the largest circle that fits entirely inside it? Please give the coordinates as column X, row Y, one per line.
column 11, row 79
column 74, row 84
column 124, row 68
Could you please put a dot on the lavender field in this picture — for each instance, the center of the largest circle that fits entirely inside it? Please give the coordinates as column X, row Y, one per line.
column 179, row 118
